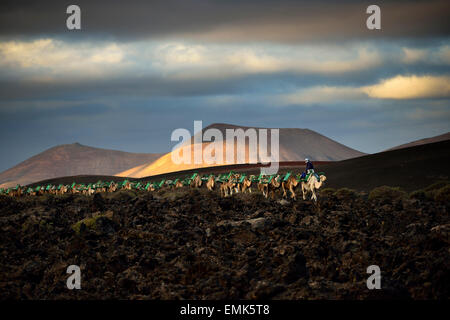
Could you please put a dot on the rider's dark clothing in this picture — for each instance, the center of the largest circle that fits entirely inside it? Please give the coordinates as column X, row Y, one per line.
column 309, row 166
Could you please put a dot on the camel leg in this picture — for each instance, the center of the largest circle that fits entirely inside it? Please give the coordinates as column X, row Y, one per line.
column 292, row 193
column 303, row 191
column 313, row 197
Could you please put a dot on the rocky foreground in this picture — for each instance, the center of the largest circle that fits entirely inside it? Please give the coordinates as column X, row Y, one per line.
column 191, row 244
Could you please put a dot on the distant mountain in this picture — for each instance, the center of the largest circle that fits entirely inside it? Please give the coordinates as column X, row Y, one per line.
column 295, row 145
column 442, row 137
column 72, row 159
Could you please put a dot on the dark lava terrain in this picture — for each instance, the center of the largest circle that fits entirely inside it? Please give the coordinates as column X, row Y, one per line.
column 191, row 244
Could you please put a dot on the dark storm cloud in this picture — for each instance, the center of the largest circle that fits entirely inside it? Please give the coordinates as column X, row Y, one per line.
column 29, row 90
column 162, row 86
column 233, row 21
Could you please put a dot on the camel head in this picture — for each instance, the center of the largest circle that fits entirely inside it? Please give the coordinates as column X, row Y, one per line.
column 275, row 181
column 318, row 184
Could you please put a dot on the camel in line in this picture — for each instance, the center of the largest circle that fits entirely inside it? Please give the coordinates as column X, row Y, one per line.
column 15, row 192
column 246, row 184
column 269, row 188
column 178, row 184
column 127, row 185
column 89, row 191
column 290, row 185
column 112, row 187
column 197, row 182
column 210, row 183
column 62, row 190
column 234, row 184
column 312, row 185
column 226, row 188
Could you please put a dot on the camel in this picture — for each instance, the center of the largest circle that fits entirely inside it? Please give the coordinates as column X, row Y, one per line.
column 270, row 187
column 246, row 185
column 197, row 182
column 41, row 191
column 90, row 191
column 262, row 187
column 53, row 190
column 210, row 183
column 127, row 185
column 273, row 186
column 226, row 188
column 178, row 184
column 99, row 189
column 74, row 189
column 112, row 187
column 15, row 192
column 290, row 185
column 312, row 185
column 62, row 190
column 235, row 180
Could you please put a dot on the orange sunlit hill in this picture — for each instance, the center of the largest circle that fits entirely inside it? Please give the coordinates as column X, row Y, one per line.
column 294, row 145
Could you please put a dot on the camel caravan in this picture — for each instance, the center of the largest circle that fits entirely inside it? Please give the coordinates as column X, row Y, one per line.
column 227, row 184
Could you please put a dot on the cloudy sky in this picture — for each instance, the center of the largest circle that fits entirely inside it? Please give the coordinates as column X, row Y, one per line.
column 137, row 71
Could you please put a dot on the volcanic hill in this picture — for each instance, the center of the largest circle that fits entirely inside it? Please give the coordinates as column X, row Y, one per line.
column 72, row 159
column 294, row 145
column 442, row 137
